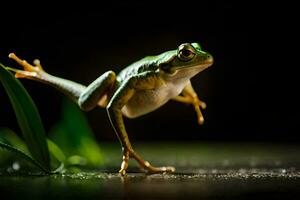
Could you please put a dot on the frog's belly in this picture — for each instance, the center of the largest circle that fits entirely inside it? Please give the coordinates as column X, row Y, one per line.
column 145, row 101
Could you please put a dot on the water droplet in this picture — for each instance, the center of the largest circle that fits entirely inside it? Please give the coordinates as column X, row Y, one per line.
column 283, row 171
column 16, row 166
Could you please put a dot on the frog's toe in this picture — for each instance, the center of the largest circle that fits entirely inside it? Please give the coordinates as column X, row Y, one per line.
column 122, row 172
column 200, row 117
column 202, row 104
column 200, row 120
column 21, row 73
column 37, row 68
column 168, row 169
column 198, row 102
column 159, row 170
column 25, row 74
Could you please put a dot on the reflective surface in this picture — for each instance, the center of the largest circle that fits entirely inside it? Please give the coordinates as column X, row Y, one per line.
column 204, row 170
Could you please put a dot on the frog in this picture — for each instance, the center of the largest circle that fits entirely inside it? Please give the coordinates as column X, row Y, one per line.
column 138, row 89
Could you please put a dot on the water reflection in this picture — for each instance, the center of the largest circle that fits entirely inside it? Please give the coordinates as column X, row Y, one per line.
column 196, row 183
column 215, row 172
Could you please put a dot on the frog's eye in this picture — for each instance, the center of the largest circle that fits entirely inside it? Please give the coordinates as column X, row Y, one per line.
column 186, row 52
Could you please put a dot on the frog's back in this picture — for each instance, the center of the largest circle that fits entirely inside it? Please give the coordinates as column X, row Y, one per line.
column 146, row 64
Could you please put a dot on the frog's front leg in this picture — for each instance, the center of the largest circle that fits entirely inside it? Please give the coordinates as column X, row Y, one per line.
column 189, row 96
column 118, row 100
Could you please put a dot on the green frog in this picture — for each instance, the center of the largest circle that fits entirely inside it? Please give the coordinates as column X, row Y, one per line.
column 138, row 89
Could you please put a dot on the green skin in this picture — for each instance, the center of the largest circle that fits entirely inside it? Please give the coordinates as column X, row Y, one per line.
column 137, row 90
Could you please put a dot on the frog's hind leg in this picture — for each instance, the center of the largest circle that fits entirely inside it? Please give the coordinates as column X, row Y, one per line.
column 36, row 72
column 86, row 97
column 97, row 92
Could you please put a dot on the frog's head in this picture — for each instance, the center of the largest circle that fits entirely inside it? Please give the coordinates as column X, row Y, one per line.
column 185, row 62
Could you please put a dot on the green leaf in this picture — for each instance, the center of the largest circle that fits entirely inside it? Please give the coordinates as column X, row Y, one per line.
column 56, row 151
column 11, row 138
column 28, row 118
column 75, row 137
column 23, row 155
column 76, row 160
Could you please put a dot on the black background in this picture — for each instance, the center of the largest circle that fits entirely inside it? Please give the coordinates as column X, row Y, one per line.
column 251, row 90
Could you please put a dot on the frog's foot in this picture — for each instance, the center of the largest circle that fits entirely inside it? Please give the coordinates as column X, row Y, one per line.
column 150, row 168
column 144, row 164
column 196, row 102
column 158, row 170
column 29, row 71
column 124, row 164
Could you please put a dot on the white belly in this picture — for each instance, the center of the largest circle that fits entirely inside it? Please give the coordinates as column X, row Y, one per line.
column 145, row 101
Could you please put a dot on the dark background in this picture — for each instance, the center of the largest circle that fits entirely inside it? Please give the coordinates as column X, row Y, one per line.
column 250, row 90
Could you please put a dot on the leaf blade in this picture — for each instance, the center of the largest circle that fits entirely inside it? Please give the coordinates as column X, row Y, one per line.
column 24, row 155
column 11, row 138
column 75, row 136
column 28, row 118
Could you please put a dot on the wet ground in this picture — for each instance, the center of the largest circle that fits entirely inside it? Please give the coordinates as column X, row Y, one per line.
column 204, row 171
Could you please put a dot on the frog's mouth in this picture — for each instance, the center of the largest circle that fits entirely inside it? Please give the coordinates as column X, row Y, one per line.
column 201, row 66
column 207, row 63
column 188, row 71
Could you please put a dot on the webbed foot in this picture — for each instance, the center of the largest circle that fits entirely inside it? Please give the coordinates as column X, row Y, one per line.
column 29, row 71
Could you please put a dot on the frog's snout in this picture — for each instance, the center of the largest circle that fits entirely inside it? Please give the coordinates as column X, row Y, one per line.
column 209, row 59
